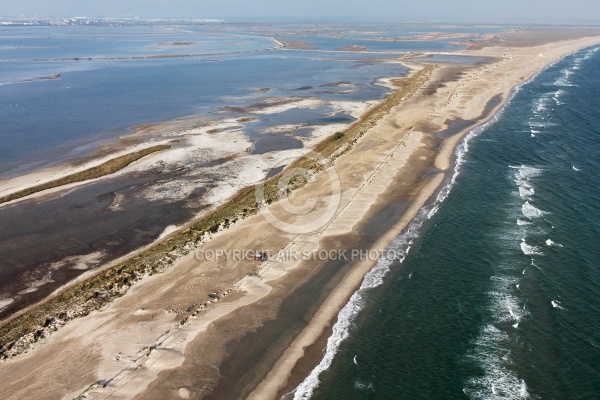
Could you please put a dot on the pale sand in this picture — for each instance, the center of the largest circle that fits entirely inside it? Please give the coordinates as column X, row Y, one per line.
column 223, row 139
column 280, row 372
column 110, row 343
column 127, row 342
column 465, row 100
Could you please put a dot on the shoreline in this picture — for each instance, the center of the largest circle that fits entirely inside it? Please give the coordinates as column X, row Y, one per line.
column 275, row 384
column 205, row 167
column 442, row 161
column 161, row 253
column 419, row 215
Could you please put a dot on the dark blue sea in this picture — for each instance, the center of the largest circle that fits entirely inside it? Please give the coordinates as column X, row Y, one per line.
column 498, row 293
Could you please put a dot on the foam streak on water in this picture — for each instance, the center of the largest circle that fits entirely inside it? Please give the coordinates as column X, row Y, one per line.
column 531, row 211
column 529, row 249
column 491, row 350
column 522, row 178
column 498, row 382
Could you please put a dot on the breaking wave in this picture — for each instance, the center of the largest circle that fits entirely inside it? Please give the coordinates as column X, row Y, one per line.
column 498, row 382
column 531, row 212
column 529, row 250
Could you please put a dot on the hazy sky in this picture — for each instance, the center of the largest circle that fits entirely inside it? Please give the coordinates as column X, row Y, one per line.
column 531, row 10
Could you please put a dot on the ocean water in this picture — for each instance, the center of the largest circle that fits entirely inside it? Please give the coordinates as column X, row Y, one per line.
column 498, row 293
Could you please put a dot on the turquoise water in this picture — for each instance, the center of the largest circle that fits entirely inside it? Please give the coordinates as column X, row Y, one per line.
column 498, row 296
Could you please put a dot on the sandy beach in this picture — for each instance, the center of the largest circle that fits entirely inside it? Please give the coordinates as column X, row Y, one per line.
column 218, row 324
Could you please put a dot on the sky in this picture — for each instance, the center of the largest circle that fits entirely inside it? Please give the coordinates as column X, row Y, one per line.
column 447, row 10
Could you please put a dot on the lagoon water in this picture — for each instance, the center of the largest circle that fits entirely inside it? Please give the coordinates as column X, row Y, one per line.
column 114, row 78
column 498, row 296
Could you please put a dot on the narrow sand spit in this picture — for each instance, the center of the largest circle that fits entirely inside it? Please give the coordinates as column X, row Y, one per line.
column 135, row 346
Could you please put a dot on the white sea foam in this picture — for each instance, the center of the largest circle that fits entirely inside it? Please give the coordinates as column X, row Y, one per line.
column 489, row 351
column 433, row 211
column 498, row 381
column 522, row 177
column 575, row 168
column 531, row 212
column 541, row 104
column 526, row 172
column 556, row 304
column 557, row 96
column 360, row 385
column 526, row 192
column 529, row 250
column 540, row 124
column 522, row 222
column 504, row 306
column 591, row 53
column 550, row 242
column 566, row 72
column 564, row 80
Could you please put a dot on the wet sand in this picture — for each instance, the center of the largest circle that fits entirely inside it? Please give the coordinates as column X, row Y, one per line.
column 94, row 216
column 251, row 342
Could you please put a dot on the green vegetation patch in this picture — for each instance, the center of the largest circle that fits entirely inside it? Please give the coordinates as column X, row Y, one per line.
column 107, row 168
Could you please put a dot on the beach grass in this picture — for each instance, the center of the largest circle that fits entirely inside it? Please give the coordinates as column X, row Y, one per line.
column 106, row 168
